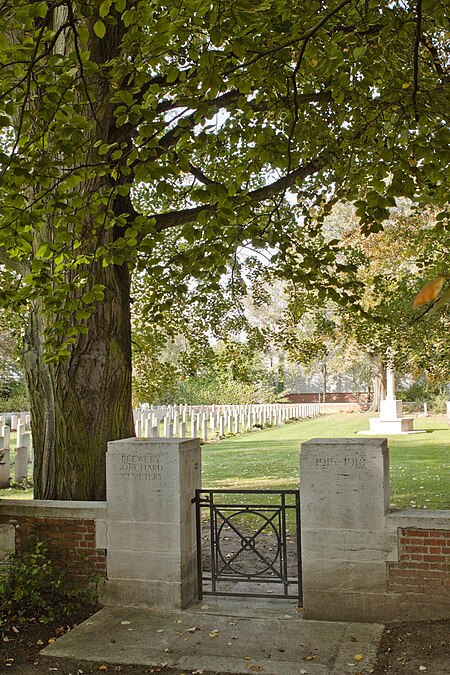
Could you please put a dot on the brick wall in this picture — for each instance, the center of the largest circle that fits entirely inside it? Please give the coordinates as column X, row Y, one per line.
column 331, row 397
column 69, row 532
column 423, row 565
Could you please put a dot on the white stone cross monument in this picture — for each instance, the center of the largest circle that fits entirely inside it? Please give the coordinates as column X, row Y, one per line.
column 391, row 420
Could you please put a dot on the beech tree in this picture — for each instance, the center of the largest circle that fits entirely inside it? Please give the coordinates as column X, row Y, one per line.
column 216, row 112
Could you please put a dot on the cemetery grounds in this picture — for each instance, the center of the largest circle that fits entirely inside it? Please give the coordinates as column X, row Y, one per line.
column 268, row 459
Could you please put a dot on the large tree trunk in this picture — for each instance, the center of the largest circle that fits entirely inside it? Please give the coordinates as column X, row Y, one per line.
column 324, row 381
column 80, row 403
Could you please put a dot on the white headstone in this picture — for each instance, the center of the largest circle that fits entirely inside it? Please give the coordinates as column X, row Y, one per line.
column 5, row 467
column 21, row 463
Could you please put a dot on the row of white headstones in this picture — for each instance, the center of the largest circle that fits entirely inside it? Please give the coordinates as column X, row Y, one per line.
column 20, row 425
column 216, row 421
column 181, row 421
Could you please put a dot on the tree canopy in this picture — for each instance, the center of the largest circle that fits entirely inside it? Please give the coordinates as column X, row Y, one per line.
column 134, row 129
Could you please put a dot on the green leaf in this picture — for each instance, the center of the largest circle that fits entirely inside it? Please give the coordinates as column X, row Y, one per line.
column 105, row 6
column 100, row 29
column 172, row 75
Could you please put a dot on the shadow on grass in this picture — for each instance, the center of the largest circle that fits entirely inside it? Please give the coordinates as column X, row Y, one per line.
column 433, row 431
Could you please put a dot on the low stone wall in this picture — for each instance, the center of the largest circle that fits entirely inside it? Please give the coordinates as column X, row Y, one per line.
column 74, row 532
column 330, row 397
column 361, row 561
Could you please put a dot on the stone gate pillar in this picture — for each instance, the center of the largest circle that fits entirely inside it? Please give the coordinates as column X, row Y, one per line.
column 344, row 491
column 150, row 522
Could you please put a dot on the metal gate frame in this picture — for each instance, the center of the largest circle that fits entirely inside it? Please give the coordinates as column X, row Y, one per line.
column 220, row 515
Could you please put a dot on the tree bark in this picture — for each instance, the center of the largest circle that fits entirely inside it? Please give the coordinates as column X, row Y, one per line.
column 378, row 383
column 324, row 381
column 80, row 403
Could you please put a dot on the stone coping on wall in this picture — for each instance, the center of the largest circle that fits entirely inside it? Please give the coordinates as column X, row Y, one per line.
column 438, row 519
column 43, row 508
column 435, row 519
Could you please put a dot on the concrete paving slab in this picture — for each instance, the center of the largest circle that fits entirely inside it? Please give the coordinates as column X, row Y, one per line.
column 208, row 639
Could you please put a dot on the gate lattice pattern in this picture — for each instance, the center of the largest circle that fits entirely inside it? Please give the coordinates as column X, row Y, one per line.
column 240, row 525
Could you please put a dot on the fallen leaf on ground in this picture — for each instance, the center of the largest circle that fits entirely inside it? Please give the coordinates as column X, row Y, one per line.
column 252, row 666
column 50, row 640
column 302, row 671
column 193, row 629
column 309, row 658
column 214, row 633
column 358, row 657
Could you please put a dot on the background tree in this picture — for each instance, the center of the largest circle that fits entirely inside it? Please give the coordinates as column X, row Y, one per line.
column 390, row 267
column 219, row 109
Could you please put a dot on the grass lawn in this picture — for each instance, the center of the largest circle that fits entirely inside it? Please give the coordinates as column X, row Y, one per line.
column 17, row 491
column 420, row 464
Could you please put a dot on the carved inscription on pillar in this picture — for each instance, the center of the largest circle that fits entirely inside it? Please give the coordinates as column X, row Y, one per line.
column 341, row 462
column 141, row 467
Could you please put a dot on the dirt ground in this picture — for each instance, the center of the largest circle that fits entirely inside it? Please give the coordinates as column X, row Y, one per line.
column 405, row 649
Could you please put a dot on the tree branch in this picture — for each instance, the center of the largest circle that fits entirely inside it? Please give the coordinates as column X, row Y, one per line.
column 416, row 54
column 439, row 68
column 290, row 43
column 165, row 221
column 12, row 264
column 200, row 176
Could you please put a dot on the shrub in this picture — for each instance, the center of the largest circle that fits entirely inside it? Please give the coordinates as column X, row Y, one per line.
column 214, row 390
column 14, row 404
column 435, row 395
column 31, row 588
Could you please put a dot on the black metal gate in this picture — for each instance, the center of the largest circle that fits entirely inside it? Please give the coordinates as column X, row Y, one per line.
column 243, row 546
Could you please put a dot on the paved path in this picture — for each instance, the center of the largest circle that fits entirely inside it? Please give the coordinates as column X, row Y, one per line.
column 224, row 635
